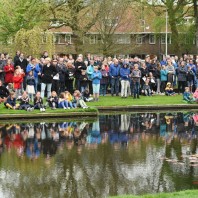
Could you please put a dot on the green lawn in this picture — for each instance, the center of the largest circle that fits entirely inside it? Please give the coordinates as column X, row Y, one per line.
column 144, row 100
column 182, row 194
column 110, row 101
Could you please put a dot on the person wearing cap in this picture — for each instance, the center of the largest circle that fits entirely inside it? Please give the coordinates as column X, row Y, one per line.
column 48, row 72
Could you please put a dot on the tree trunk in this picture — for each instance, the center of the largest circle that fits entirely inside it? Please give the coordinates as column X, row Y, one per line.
column 195, row 5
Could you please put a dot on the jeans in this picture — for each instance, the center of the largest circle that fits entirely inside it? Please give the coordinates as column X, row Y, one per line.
column 103, row 89
column 63, row 104
column 115, row 85
column 124, row 88
column 43, row 86
column 136, row 89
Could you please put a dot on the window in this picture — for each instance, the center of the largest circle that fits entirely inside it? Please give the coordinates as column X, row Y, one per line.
column 56, row 38
column 152, row 39
column 122, row 39
column 163, row 39
column 92, row 39
column 68, row 38
column 139, row 39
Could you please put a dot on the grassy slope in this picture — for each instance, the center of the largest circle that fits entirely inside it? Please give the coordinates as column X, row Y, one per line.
column 182, row 194
column 110, row 101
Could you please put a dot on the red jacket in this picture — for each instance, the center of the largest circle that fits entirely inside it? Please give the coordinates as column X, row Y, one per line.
column 17, row 80
column 9, row 73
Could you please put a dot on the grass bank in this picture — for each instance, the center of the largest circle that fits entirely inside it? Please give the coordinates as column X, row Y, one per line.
column 182, row 194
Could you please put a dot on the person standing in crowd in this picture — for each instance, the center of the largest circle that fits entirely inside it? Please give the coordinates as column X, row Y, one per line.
column 171, row 71
column 30, row 85
column 47, row 75
column 114, row 73
column 36, row 69
column 83, row 81
column 157, row 77
column 104, row 81
column 18, row 80
column 90, row 70
column 136, row 75
column 63, row 72
column 56, row 77
column 69, row 81
column 181, row 76
column 190, row 78
column 79, row 66
column 9, row 72
column 163, row 78
column 125, row 76
column 16, row 57
column 96, row 77
column 2, row 65
column 22, row 62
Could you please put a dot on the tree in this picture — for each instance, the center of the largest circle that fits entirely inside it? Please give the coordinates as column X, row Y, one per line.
column 195, row 6
column 75, row 14
column 19, row 14
column 176, row 10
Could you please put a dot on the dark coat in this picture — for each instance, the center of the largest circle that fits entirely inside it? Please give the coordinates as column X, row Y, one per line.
column 78, row 70
column 181, row 74
column 48, row 73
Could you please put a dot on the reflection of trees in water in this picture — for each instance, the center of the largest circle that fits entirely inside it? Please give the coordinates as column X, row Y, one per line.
column 106, row 169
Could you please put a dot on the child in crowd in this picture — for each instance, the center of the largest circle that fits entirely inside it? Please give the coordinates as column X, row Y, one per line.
column 195, row 95
column 152, row 82
column 187, row 96
column 169, row 90
column 190, row 78
column 11, row 101
column 96, row 77
column 30, row 85
column 17, row 80
column 53, row 100
column 86, row 96
column 69, row 98
column 79, row 101
column 83, row 81
column 62, row 102
column 146, row 88
column 38, row 102
column 25, row 102
column 10, row 87
column 104, row 81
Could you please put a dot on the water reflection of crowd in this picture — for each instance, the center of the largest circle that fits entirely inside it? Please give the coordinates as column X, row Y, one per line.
column 35, row 139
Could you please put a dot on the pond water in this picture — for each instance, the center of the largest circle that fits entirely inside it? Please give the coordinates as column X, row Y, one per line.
column 112, row 155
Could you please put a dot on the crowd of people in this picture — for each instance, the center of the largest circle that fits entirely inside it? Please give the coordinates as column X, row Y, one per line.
column 34, row 139
column 69, row 83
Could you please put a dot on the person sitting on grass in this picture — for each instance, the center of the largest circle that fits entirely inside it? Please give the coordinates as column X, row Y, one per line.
column 187, row 95
column 169, row 90
column 195, row 95
column 25, row 102
column 4, row 93
column 53, row 100
column 10, row 87
column 146, row 90
column 62, row 103
column 11, row 102
column 69, row 98
column 38, row 102
column 79, row 100
column 86, row 96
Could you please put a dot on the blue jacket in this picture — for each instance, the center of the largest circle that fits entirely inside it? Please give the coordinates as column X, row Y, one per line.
column 124, row 73
column 36, row 70
column 186, row 95
column 96, row 77
column 90, row 70
column 163, row 75
column 114, row 70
